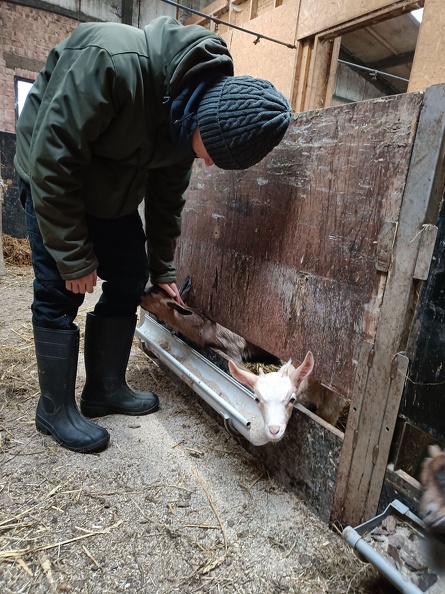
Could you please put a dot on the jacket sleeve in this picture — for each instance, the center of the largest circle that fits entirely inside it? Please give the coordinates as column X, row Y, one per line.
column 76, row 111
column 163, row 207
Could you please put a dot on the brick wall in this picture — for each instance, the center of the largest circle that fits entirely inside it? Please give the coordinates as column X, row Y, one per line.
column 28, row 34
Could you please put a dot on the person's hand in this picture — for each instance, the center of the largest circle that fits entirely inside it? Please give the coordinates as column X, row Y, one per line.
column 85, row 284
column 173, row 291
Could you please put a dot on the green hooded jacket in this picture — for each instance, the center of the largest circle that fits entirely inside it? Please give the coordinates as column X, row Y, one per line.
column 93, row 137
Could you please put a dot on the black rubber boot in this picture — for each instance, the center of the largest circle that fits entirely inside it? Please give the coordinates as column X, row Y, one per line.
column 57, row 413
column 107, row 350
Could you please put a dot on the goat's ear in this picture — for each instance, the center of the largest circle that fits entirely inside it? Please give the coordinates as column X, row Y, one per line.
column 297, row 375
column 243, row 375
column 287, row 368
column 181, row 310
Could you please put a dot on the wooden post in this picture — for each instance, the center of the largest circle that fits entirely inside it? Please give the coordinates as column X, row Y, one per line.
column 253, row 9
column 323, row 68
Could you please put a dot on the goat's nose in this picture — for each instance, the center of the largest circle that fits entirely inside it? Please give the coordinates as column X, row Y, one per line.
column 274, row 429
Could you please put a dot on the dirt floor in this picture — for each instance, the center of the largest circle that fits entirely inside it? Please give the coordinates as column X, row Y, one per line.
column 173, row 505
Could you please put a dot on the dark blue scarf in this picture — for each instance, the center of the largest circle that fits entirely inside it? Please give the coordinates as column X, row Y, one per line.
column 184, row 109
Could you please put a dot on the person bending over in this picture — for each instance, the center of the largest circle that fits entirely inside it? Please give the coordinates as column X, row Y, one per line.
column 118, row 115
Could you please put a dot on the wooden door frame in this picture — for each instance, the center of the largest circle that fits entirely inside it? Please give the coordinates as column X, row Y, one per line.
column 317, row 57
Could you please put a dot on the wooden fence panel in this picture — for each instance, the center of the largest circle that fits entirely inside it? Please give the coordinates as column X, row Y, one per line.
column 285, row 253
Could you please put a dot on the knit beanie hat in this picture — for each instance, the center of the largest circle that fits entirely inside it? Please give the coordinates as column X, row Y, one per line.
column 241, row 119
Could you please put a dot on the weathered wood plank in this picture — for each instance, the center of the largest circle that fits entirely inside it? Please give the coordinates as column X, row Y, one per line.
column 377, row 424
column 285, row 252
column 351, row 433
column 323, row 72
column 401, row 486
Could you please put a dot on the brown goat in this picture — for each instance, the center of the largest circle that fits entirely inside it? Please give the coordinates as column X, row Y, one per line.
column 432, row 501
column 325, row 403
column 200, row 330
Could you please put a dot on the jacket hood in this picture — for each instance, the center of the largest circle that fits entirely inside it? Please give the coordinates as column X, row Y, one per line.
column 178, row 52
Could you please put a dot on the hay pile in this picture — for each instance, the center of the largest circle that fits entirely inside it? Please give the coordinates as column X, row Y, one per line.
column 16, row 251
column 18, row 377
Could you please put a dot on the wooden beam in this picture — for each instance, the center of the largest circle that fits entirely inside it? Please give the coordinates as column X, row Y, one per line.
column 390, row 61
column 301, row 74
column 332, row 73
column 321, row 78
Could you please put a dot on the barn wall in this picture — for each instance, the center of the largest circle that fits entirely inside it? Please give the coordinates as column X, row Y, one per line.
column 27, row 37
column 267, row 59
column 28, row 34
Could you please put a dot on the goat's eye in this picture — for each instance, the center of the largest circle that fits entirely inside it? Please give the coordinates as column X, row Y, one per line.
column 257, row 399
column 292, row 399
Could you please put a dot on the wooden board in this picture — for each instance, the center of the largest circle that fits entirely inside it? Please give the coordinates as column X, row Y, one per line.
column 285, row 252
column 428, row 65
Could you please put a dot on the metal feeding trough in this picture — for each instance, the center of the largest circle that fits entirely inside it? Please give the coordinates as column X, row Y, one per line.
column 426, row 571
column 227, row 397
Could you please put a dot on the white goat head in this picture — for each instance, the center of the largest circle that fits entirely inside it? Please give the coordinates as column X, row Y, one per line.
column 275, row 392
column 432, row 501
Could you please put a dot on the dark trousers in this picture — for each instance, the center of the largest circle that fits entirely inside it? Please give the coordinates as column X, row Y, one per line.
column 119, row 245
